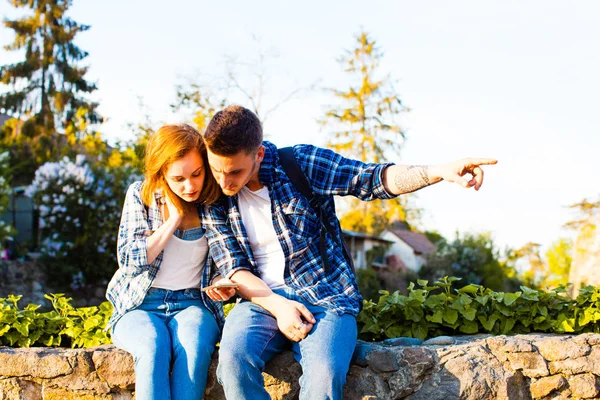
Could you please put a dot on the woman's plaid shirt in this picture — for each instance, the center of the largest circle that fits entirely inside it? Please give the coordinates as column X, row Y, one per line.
column 132, row 280
column 297, row 226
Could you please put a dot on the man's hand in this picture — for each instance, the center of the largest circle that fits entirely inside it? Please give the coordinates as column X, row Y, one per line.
column 454, row 171
column 293, row 319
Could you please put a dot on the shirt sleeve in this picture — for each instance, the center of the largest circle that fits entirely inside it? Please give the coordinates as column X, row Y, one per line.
column 223, row 246
column 331, row 174
column 134, row 229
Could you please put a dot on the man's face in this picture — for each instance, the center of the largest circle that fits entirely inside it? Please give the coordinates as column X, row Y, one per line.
column 234, row 172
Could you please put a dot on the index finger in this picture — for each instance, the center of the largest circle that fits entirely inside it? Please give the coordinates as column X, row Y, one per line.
column 483, row 161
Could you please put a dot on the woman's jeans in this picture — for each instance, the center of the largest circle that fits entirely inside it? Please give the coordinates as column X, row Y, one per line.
column 251, row 338
column 171, row 337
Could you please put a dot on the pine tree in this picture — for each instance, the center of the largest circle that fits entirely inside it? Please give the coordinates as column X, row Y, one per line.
column 47, row 90
column 363, row 126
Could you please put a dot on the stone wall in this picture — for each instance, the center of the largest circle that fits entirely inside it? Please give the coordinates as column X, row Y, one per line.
column 470, row 367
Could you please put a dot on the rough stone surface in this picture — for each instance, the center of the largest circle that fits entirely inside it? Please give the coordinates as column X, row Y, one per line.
column 586, row 386
column 474, row 367
column 439, row 341
column 546, row 385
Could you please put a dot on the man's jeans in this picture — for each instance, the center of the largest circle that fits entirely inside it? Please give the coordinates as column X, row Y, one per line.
column 171, row 332
column 251, row 338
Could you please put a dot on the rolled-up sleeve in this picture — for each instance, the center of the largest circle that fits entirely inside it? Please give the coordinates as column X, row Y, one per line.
column 331, row 174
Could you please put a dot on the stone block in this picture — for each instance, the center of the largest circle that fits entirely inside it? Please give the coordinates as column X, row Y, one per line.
column 546, row 385
column 585, row 386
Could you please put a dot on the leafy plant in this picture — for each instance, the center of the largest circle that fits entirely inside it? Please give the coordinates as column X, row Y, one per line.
column 440, row 310
column 64, row 326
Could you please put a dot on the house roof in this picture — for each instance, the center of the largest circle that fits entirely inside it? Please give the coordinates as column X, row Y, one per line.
column 416, row 240
column 364, row 236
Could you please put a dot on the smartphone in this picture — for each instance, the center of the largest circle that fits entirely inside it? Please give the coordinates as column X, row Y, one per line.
column 221, row 285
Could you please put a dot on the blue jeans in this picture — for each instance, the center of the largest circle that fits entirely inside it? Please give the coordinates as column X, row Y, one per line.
column 251, row 338
column 171, row 337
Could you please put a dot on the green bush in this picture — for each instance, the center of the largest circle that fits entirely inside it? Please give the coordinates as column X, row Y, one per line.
column 64, row 326
column 439, row 310
column 425, row 312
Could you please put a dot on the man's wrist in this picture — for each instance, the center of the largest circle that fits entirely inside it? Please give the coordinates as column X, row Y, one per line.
column 434, row 173
column 272, row 303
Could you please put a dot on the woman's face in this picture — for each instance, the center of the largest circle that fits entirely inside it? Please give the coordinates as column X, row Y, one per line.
column 185, row 176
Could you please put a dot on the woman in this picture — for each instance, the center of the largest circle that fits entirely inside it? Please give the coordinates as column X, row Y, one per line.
column 160, row 314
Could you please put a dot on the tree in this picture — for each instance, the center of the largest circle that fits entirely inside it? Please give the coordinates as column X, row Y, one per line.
column 363, row 126
column 536, row 271
column 473, row 258
column 559, row 258
column 47, row 90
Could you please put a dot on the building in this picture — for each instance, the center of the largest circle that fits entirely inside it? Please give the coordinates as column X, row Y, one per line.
column 411, row 247
column 361, row 244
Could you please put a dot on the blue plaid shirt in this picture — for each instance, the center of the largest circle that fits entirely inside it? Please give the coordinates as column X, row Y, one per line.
column 129, row 285
column 297, row 227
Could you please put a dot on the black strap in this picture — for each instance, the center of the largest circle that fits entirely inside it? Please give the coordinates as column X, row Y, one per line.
column 299, row 180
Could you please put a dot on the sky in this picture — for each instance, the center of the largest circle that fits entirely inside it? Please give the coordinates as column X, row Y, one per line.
column 513, row 80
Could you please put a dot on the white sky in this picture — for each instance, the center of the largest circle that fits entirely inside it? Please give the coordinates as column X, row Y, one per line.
column 515, row 80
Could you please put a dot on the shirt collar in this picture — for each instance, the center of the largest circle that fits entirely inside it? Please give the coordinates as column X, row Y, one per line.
column 267, row 173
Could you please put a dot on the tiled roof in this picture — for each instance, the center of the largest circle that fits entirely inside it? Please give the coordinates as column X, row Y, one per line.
column 416, row 240
column 364, row 236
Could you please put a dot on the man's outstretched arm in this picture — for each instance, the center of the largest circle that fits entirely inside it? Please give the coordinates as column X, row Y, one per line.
column 401, row 179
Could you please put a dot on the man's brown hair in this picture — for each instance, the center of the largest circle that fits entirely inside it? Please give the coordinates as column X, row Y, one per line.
column 232, row 130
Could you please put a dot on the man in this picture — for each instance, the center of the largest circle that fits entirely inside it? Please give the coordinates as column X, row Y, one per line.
column 266, row 238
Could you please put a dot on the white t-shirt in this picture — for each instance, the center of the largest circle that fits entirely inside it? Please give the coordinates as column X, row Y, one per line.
column 255, row 209
column 182, row 264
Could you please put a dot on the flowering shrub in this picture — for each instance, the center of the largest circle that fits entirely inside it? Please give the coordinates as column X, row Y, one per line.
column 80, row 207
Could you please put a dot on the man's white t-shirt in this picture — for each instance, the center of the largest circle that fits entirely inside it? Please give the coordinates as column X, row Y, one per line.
column 255, row 209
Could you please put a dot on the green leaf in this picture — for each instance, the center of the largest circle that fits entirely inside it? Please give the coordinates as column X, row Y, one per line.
column 470, row 289
column 482, row 299
column 435, row 300
column 469, row 327
column 394, row 331
column 507, row 325
column 22, row 327
column 510, row 298
column 450, row 316
column 420, row 331
column 436, row 317
column 488, row 324
column 469, row 315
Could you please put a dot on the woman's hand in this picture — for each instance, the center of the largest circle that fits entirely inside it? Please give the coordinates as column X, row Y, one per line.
column 220, row 294
column 170, row 211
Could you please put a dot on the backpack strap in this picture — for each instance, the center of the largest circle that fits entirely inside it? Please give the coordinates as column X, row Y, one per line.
column 292, row 169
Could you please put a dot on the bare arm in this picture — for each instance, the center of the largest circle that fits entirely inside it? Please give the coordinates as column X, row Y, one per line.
column 159, row 238
column 290, row 315
column 401, row 179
